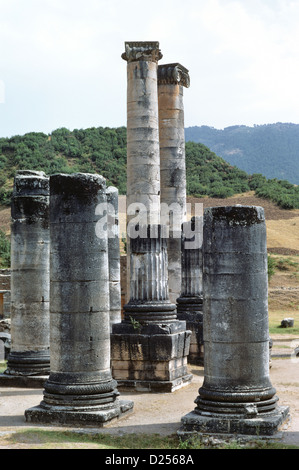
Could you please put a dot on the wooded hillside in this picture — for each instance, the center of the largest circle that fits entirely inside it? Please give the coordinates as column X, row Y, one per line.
column 103, row 150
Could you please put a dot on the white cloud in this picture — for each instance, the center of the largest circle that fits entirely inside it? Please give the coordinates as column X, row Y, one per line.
column 252, row 60
column 61, row 59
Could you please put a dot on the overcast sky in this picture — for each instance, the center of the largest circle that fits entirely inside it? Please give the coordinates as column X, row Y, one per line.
column 61, row 66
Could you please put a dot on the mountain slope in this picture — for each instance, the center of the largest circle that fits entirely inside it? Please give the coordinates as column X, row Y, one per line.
column 103, row 150
column 270, row 149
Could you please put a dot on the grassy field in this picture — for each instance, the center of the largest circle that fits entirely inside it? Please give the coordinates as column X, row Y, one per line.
column 44, row 439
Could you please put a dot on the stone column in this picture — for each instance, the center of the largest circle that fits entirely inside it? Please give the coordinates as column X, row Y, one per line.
column 143, row 153
column 80, row 388
column 29, row 359
column 149, row 299
column 150, row 346
column 189, row 304
column 114, row 256
column 172, row 78
column 237, row 395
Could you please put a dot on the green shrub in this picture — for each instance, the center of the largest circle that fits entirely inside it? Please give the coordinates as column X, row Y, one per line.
column 4, row 251
column 271, row 267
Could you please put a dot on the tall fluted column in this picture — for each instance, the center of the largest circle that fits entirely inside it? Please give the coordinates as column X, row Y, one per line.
column 149, row 299
column 150, row 346
column 80, row 388
column 143, row 152
column 172, row 78
column 237, row 395
column 189, row 304
column 29, row 358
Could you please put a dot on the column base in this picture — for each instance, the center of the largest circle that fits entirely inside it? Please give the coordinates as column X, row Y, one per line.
column 28, row 363
column 265, row 424
column 46, row 414
column 152, row 359
column 26, row 381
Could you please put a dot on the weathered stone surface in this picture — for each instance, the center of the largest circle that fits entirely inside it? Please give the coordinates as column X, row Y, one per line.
column 265, row 424
column 2, row 350
column 142, row 50
column 5, row 325
column 79, row 416
column 5, row 345
column 29, row 353
column 149, row 299
column 237, row 394
column 143, row 153
column 287, row 322
column 80, row 388
column 189, row 304
column 148, row 309
column 113, row 256
column 149, row 347
column 171, row 80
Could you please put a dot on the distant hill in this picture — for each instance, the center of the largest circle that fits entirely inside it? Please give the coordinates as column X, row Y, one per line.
column 103, row 150
column 270, row 149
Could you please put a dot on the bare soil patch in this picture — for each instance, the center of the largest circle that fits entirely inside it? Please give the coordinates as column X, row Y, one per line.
column 161, row 413
column 157, row 413
column 272, row 211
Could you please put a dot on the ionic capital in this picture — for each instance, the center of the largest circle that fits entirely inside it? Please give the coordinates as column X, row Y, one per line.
column 173, row 74
column 148, row 51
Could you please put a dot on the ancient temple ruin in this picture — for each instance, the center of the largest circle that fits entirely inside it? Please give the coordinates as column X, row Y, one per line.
column 196, row 289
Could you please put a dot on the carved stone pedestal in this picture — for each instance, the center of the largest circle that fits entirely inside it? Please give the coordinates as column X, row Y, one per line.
column 151, row 358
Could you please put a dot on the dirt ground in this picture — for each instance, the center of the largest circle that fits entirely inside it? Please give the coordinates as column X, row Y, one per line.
column 161, row 413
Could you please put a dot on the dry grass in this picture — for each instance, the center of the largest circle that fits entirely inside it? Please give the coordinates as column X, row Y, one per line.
column 282, row 225
column 5, row 219
column 283, row 233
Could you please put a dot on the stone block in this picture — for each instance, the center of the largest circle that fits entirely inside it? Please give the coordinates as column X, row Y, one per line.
column 57, row 415
column 287, row 323
column 266, row 424
column 142, row 360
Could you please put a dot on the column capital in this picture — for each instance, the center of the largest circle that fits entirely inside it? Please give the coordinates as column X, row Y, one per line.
column 173, row 74
column 142, row 50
